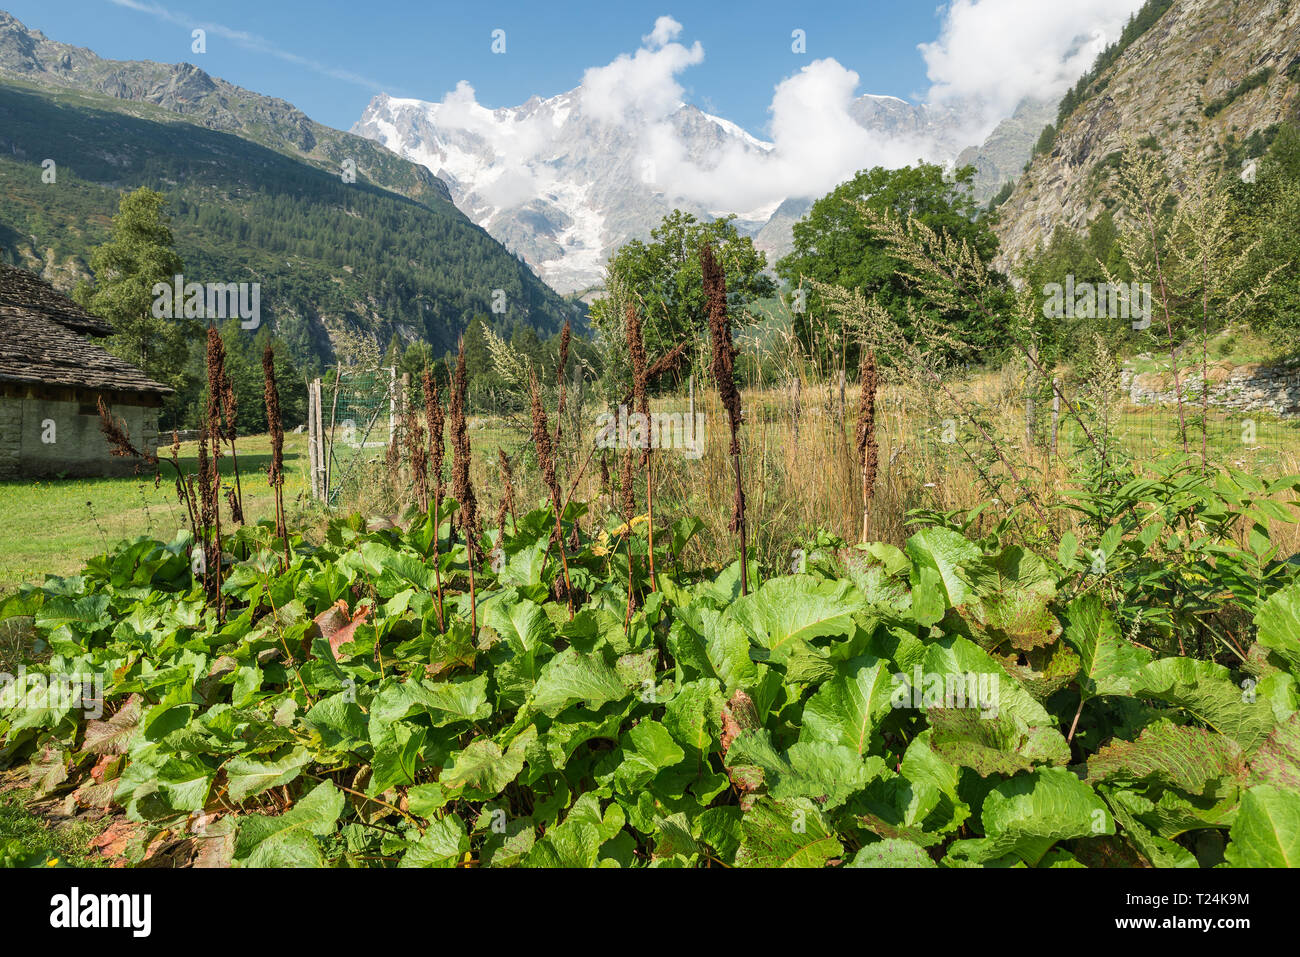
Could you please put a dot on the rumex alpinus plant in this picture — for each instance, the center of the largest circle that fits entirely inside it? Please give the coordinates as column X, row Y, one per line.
column 868, row 451
column 723, row 367
column 541, row 437
column 507, row 493
column 418, row 459
column 627, row 499
column 221, row 411
column 641, row 400
column 210, row 522
column 462, row 487
column 211, row 488
column 275, row 474
column 434, row 424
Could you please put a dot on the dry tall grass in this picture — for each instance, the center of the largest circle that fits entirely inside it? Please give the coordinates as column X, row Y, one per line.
column 802, row 474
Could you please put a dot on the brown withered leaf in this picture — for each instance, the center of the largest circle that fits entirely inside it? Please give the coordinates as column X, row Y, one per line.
column 738, row 714
column 113, row 736
column 338, row 625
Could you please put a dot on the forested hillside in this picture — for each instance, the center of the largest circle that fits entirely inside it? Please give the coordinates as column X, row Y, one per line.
column 328, row 254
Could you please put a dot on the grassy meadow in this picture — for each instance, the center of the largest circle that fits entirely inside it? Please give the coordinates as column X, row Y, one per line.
column 801, row 474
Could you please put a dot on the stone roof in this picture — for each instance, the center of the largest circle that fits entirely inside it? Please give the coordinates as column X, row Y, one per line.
column 29, row 292
column 41, row 341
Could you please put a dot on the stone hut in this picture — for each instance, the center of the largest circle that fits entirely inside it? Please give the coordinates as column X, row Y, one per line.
column 51, row 377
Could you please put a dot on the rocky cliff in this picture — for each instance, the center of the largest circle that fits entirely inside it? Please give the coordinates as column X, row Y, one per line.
column 1206, row 76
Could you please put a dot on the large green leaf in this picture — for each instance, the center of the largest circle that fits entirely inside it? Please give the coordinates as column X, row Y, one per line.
column 1110, row 664
column 1277, row 762
column 1028, row 814
column 1278, row 621
column 648, row 749
column 937, row 555
column 1171, row 755
column 571, row 677
column 786, row 834
column 248, row 776
column 786, row 612
column 827, row 773
column 849, row 708
column 982, row 717
column 338, row 720
column 1014, row 590
column 1266, row 832
column 1159, row 851
column 1206, row 691
column 289, row 839
column 482, row 770
column 443, row 844
column 891, row 853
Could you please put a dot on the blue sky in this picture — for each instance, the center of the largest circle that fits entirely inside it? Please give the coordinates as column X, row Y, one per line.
column 332, row 56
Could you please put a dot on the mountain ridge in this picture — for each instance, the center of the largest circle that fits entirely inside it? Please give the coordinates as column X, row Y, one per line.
column 593, row 191
column 1207, row 75
column 388, row 254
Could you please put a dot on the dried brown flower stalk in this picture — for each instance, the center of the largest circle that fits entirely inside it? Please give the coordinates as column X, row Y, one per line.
column 275, row 476
column 508, row 496
column 546, row 460
column 462, row 489
column 418, row 459
column 628, row 496
column 868, row 451
column 210, row 515
column 119, row 440
column 221, row 405
column 641, row 397
column 433, row 420
column 723, row 367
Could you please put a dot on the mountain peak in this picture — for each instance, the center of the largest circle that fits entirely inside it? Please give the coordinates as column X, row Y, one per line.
column 565, row 189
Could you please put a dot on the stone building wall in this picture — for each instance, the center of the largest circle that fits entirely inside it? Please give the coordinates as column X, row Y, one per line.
column 42, row 438
column 1252, row 388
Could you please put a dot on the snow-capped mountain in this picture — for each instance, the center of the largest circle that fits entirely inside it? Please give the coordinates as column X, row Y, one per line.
column 564, row 189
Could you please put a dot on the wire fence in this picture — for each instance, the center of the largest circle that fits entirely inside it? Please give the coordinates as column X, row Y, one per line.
column 352, row 422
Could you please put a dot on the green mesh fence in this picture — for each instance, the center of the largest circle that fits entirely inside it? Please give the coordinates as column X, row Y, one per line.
column 359, row 417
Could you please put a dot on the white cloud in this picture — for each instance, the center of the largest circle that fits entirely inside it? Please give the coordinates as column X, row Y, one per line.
column 816, row 144
column 665, row 30
column 991, row 54
column 643, row 86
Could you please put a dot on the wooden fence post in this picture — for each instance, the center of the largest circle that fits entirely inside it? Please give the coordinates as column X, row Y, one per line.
column 1056, row 413
column 313, row 441
column 322, row 446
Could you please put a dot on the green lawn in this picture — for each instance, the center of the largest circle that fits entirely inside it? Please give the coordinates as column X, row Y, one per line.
column 25, row 835
column 51, row 526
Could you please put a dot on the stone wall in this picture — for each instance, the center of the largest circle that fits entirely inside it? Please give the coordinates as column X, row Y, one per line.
column 42, row 438
column 11, row 429
column 1250, row 388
